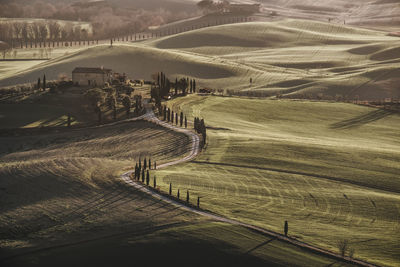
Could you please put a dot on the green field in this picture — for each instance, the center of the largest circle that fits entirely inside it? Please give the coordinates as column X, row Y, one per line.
column 330, row 169
column 63, row 202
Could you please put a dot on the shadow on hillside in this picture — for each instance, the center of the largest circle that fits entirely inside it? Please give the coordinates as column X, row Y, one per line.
column 362, row 119
column 260, row 245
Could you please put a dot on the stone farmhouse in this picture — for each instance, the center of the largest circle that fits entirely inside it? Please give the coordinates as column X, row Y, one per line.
column 91, row 76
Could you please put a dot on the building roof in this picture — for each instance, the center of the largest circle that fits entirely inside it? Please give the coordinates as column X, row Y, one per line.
column 91, row 70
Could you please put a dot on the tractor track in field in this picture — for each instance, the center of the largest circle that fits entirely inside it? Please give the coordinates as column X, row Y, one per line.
column 314, row 175
column 195, row 139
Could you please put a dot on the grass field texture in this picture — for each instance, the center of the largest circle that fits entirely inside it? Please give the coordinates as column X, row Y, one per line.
column 330, row 169
column 292, row 57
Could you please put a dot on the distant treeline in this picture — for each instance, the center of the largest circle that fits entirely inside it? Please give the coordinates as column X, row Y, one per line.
column 106, row 21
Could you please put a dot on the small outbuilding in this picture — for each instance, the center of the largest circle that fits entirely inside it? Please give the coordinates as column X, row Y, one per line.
column 91, row 76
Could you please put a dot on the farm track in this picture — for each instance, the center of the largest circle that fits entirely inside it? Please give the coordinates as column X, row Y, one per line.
column 149, row 116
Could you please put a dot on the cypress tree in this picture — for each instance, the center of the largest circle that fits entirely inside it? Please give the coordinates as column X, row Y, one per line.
column 181, row 119
column 178, row 195
column 191, row 86
column 194, row 86
column 147, row 178
column 69, row 120
column 172, row 117
column 143, row 175
column 198, row 202
column 144, row 163
column 165, row 113
column 38, row 83
column 136, row 170
column 140, row 165
column 187, row 196
column 154, row 182
column 176, row 86
column 44, row 81
column 176, row 118
column 286, row 228
column 170, row 189
column 169, row 115
column 155, row 165
column 149, row 163
column 185, row 122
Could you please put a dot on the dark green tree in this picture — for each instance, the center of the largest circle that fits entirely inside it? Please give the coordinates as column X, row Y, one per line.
column 172, row 117
column 176, row 118
column 155, row 182
column 155, row 165
column 198, row 202
column 147, row 177
column 69, row 120
column 38, row 83
column 176, row 86
column 149, row 163
column 145, row 163
column 178, row 194
column 286, row 228
column 187, row 196
column 44, row 81
column 143, row 175
column 185, row 122
column 170, row 189
column 181, row 119
column 194, row 86
column 126, row 101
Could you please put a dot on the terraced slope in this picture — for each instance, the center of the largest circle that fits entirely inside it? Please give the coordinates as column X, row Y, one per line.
column 330, row 169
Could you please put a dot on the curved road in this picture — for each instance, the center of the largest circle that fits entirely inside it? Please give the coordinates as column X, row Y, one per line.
column 149, row 116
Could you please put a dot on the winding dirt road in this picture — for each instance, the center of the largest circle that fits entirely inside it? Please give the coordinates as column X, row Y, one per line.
column 149, row 116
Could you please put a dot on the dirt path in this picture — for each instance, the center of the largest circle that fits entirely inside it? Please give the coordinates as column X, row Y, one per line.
column 149, row 116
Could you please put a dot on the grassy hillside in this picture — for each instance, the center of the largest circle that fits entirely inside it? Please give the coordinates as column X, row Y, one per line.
column 330, row 169
column 67, row 184
column 63, row 202
column 294, row 57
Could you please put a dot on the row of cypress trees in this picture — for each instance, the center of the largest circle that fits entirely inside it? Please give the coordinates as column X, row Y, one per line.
column 200, row 128
column 169, row 116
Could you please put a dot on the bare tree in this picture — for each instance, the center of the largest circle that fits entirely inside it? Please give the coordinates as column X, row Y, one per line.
column 24, row 31
column 4, row 48
column 43, row 31
column 54, row 30
column 17, row 26
column 36, row 30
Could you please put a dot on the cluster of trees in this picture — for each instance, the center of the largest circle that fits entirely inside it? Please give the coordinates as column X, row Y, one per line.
column 209, row 6
column 101, row 99
column 200, row 128
column 142, row 171
column 162, row 87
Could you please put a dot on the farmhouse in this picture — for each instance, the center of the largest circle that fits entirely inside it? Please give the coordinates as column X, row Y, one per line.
column 91, row 76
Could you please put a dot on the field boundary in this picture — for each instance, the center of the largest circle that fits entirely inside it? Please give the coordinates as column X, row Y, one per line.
column 126, row 177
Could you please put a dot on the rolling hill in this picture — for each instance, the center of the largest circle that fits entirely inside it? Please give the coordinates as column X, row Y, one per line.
column 296, row 58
